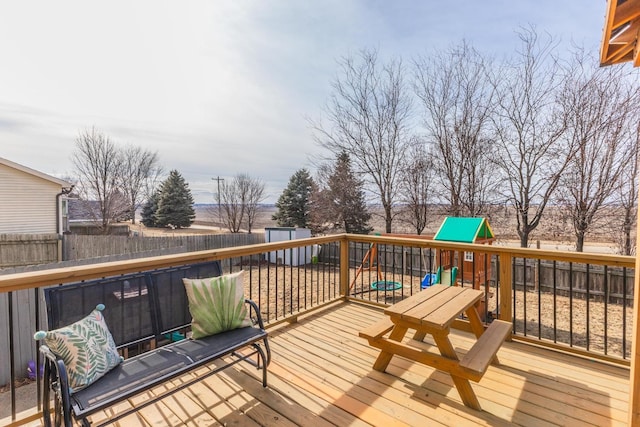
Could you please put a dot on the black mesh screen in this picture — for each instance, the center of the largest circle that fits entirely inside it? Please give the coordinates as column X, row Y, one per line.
column 136, row 305
column 172, row 298
column 126, row 299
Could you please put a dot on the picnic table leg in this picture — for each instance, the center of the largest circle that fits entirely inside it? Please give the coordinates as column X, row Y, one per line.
column 419, row 335
column 381, row 363
column 463, row 385
column 474, row 320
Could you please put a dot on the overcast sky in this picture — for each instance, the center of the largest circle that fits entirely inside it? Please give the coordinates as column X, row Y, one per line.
column 219, row 88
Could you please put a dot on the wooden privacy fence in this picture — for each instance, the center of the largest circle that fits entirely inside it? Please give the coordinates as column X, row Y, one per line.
column 76, row 247
column 615, row 284
column 28, row 249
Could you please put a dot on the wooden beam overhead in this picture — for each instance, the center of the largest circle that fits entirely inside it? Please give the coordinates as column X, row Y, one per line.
column 636, row 52
column 606, row 32
column 627, row 11
column 620, row 44
column 620, row 32
column 628, row 35
column 624, row 54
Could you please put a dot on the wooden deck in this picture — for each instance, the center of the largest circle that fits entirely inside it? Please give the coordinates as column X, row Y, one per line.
column 321, row 375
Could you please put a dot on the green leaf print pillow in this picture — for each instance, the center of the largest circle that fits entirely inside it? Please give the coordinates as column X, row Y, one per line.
column 216, row 304
column 86, row 347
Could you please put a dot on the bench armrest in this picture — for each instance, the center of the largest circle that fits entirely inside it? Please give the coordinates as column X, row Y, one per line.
column 55, row 379
column 57, row 367
column 256, row 318
column 254, row 313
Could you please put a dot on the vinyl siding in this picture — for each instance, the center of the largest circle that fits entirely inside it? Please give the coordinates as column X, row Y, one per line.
column 27, row 202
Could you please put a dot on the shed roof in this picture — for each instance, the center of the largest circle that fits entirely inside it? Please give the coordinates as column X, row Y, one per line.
column 464, row 230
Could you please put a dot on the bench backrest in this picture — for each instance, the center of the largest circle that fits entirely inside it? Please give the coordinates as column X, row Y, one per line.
column 138, row 306
column 170, row 297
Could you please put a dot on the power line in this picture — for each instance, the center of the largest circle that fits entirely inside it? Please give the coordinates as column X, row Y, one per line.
column 219, row 211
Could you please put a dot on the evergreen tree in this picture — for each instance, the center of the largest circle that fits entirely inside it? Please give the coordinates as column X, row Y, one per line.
column 175, row 204
column 348, row 195
column 149, row 210
column 346, row 198
column 293, row 204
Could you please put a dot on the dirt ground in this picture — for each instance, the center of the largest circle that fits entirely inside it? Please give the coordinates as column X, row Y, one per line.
column 573, row 321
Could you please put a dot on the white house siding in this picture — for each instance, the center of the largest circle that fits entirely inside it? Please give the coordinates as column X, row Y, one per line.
column 27, row 202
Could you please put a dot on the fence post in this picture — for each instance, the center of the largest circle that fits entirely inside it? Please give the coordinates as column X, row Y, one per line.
column 344, row 267
column 506, row 282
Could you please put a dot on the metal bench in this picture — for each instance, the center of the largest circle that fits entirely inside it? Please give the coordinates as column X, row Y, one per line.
column 148, row 315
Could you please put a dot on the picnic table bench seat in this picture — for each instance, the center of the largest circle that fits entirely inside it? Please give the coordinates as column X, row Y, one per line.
column 376, row 330
column 484, row 350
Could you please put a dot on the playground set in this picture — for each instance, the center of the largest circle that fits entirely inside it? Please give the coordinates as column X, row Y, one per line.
column 453, row 267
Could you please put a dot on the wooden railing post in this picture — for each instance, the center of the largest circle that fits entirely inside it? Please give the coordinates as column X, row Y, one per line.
column 344, row 267
column 506, row 285
column 634, row 377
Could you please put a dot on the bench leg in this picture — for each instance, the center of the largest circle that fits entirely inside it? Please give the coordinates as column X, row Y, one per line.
column 463, row 385
column 381, row 363
column 261, row 355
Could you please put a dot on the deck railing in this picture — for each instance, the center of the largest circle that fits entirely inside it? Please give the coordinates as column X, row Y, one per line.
column 572, row 301
column 577, row 302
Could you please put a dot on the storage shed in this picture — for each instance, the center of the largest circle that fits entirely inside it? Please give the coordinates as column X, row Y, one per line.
column 293, row 256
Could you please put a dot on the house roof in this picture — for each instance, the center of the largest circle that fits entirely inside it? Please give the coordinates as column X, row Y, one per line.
column 61, row 182
column 464, row 230
column 620, row 33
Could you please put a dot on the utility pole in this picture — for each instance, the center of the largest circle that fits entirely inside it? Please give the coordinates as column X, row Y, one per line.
column 219, row 210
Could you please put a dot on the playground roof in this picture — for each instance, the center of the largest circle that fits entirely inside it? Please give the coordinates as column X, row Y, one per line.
column 464, row 230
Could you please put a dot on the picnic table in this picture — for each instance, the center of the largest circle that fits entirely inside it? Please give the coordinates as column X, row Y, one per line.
column 432, row 312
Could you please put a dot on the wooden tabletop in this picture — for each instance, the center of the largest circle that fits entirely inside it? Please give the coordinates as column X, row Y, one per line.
column 435, row 307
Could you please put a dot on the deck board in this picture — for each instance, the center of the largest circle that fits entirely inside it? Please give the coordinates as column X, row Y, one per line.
column 321, row 374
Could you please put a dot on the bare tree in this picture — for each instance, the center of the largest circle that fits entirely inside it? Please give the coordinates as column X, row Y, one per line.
column 98, row 161
column 529, row 124
column 417, row 187
column 600, row 104
column 137, row 168
column 254, row 197
column 240, row 201
column 370, row 112
column 627, row 196
column 457, row 96
column 232, row 208
column 321, row 214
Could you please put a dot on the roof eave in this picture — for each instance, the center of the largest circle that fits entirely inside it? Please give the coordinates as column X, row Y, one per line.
column 620, row 33
column 25, row 169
